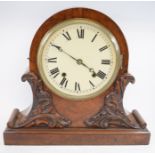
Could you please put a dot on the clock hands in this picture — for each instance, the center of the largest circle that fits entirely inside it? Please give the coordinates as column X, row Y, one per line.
column 61, row 50
column 58, row 47
column 78, row 61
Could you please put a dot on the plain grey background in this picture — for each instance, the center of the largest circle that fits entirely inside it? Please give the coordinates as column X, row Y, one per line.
column 18, row 24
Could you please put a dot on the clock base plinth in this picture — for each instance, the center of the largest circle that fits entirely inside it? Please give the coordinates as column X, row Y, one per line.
column 76, row 136
column 79, row 136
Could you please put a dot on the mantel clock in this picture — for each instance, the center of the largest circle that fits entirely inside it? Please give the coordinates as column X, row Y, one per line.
column 78, row 72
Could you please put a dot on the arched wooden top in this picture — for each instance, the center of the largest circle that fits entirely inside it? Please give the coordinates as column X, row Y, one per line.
column 78, row 13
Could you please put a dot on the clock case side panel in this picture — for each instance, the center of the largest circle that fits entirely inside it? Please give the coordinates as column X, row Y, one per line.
column 85, row 108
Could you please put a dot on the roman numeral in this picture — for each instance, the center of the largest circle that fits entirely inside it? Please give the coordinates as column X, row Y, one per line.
column 105, row 62
column 94, row 37
column 103, row 48
column 54, row 60
column 101, row 74
column 77, row 86
column 66, row 35
column 55, row 72
column 91, row 84
column 80, row 33
column 64, row 82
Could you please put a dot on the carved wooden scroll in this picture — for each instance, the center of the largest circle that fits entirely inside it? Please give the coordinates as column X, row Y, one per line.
column 112, row 114
column 42, row 113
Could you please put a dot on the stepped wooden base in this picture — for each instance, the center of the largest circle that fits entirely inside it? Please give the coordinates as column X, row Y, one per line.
column 76, row 136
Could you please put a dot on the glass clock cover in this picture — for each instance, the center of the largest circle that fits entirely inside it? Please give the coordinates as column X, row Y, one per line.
column 78, row 59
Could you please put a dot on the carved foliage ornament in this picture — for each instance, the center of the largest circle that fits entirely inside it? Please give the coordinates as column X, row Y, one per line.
column 42, row 112
column 112, row 113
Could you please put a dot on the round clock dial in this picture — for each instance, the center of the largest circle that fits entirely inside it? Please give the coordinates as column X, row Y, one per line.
column 78, row 59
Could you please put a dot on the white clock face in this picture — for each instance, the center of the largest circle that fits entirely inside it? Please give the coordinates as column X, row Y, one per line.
column 78, row 59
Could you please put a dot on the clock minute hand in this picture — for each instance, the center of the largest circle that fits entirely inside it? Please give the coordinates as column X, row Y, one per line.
column 61, row 50
column 78, row 61
column 56, row 46
column 69, row 55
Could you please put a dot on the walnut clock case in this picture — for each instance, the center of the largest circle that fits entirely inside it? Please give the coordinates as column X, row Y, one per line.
column 78, row 72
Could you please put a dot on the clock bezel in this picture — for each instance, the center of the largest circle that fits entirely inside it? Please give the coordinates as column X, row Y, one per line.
column 85, row 13
column 60, row 26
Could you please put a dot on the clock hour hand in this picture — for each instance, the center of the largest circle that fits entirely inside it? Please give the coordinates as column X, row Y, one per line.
column 80, row 62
